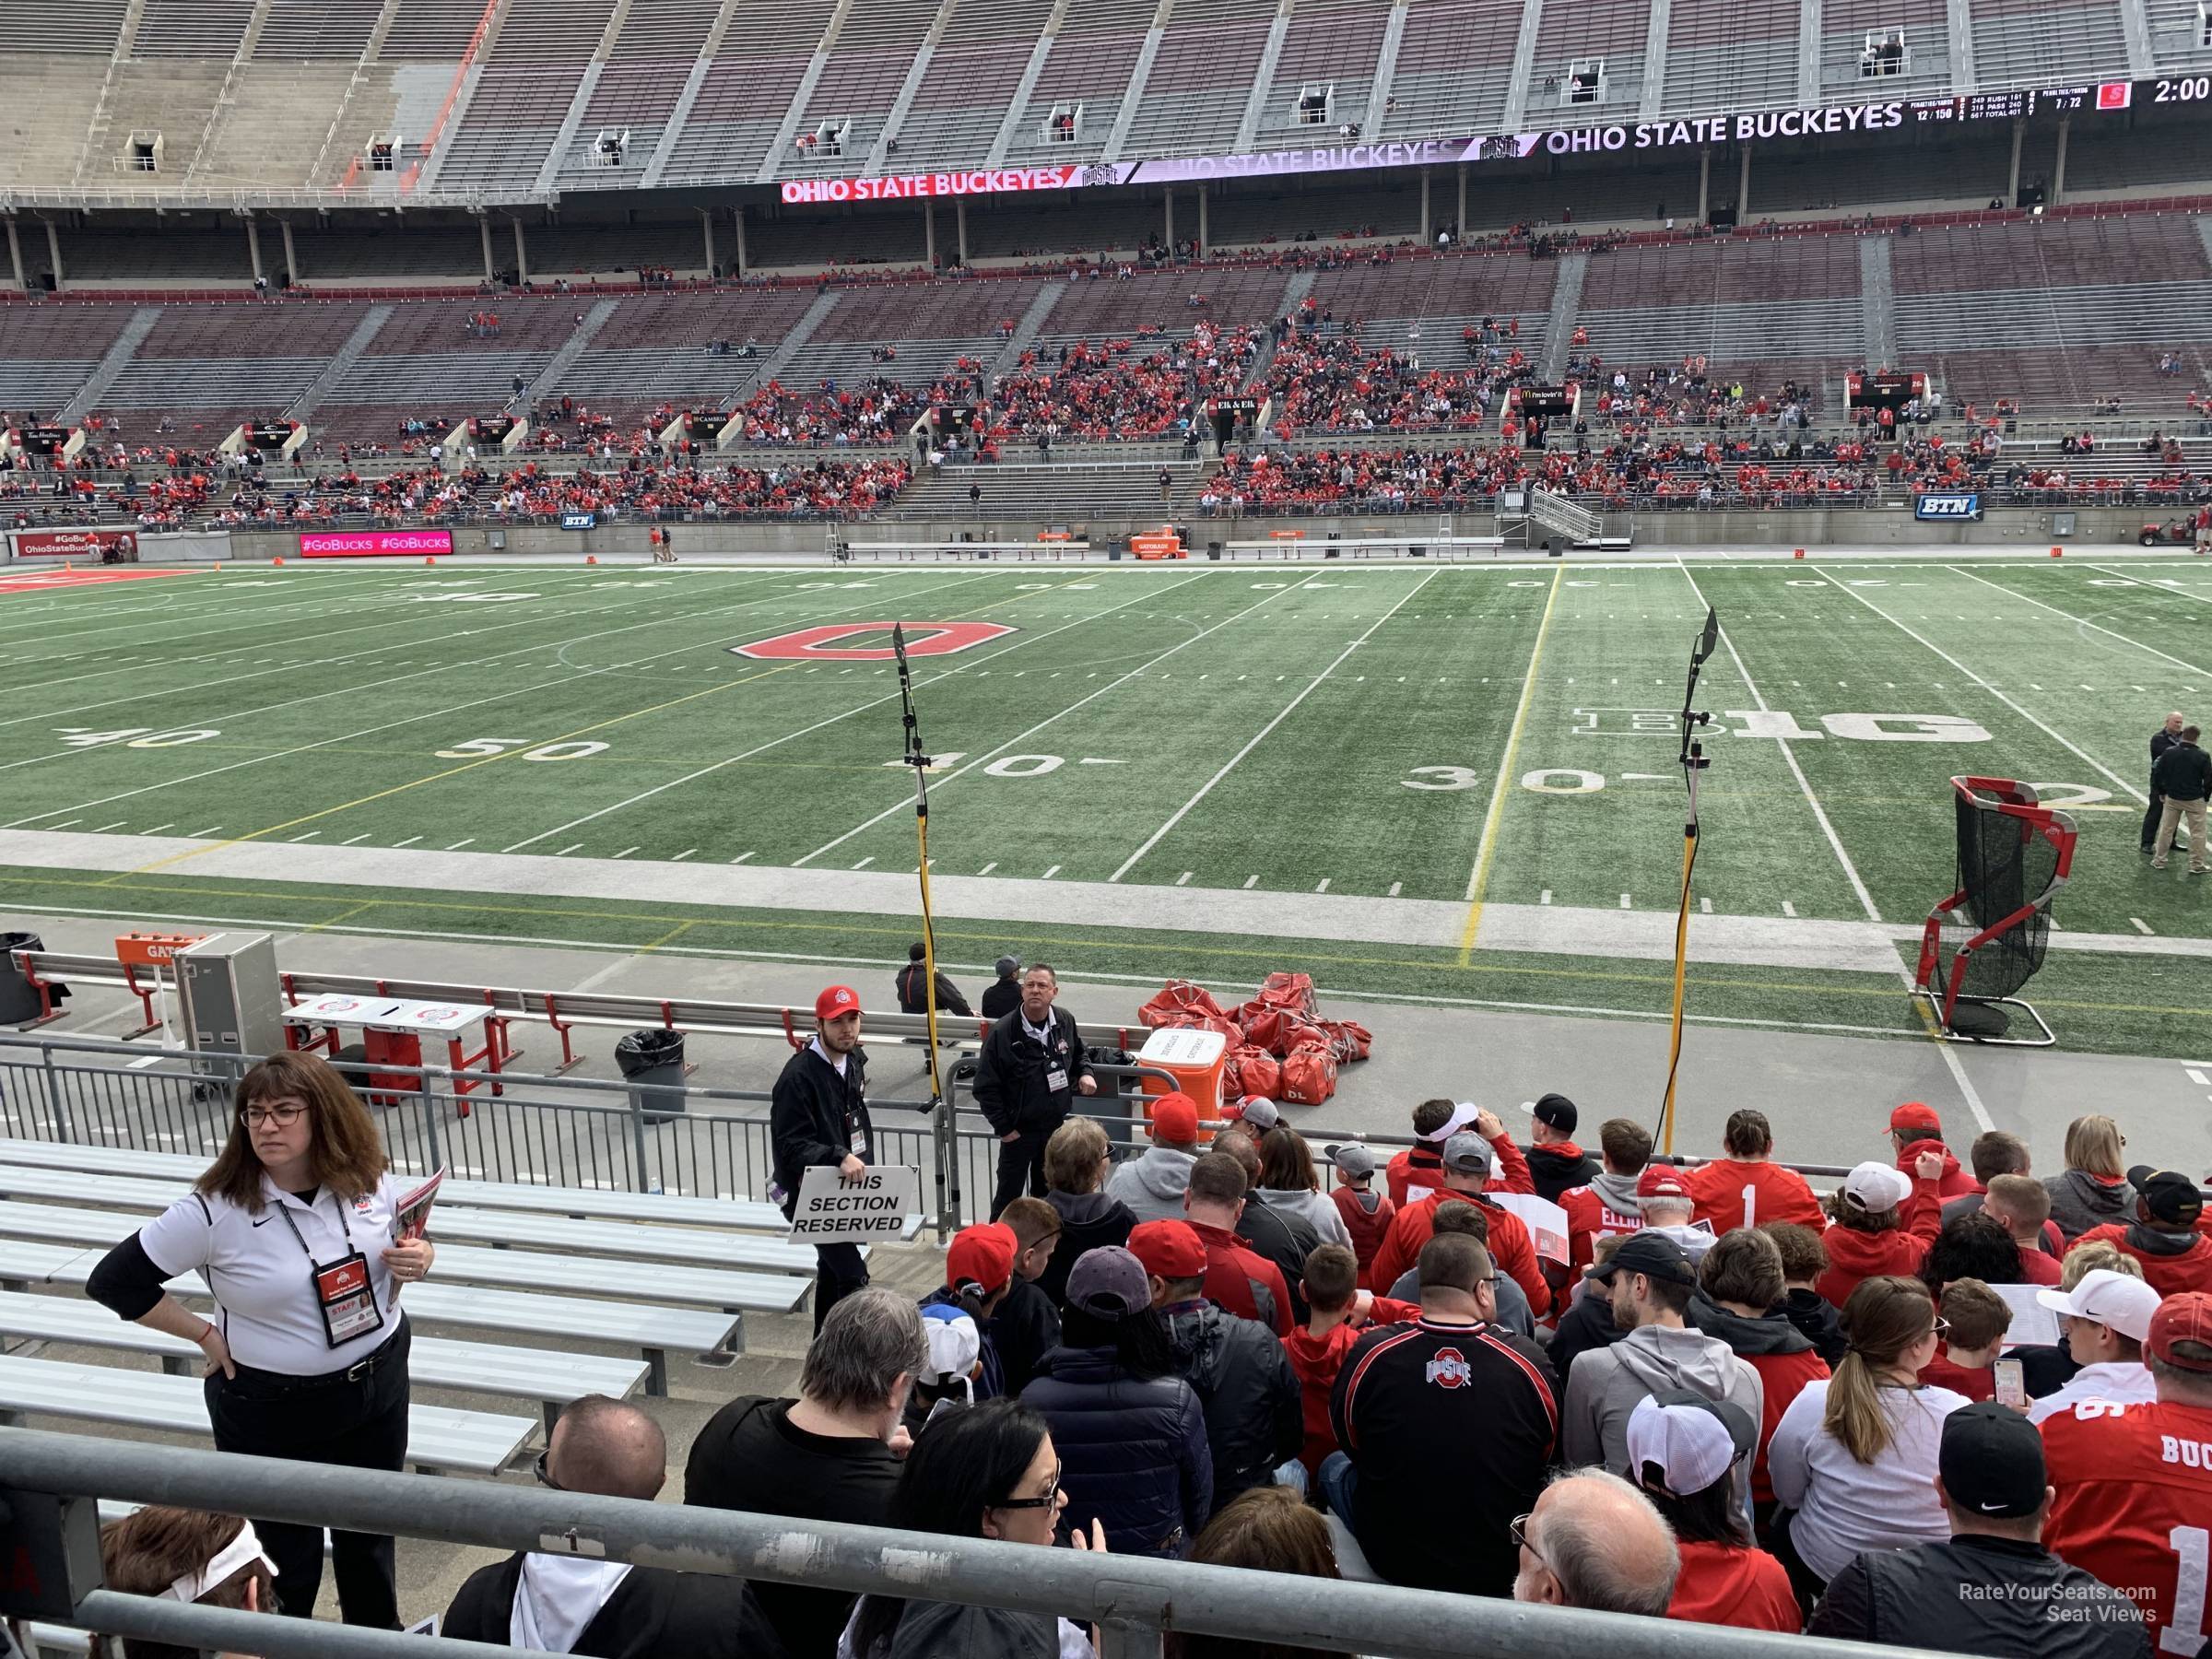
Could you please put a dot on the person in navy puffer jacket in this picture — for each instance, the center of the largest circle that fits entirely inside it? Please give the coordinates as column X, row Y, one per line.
column 1131, row 1434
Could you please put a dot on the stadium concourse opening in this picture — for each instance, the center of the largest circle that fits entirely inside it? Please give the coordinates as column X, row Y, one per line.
column 465, row 486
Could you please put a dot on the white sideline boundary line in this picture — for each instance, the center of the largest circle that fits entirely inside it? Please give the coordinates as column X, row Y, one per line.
column 2084, row 621
column 990, row 754
column 409, row 720
column 2055, row 736
column 1205, row 788
column 1952, row 1064
column 692, row 777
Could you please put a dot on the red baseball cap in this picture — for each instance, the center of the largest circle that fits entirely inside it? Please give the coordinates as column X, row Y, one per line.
column 1175, row 1118
column 1168, row 1250
column 2184, row 1318
column 836, row 1001
column 1662, row 1180
column 1915, row 1114
column 982, row 1254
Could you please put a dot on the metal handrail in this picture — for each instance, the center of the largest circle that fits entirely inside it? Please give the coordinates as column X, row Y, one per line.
column 1132, row 1599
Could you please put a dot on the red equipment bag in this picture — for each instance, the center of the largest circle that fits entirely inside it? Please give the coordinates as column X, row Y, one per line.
column 1251, row 1071
column 1180, row 996
column 1279, row 1030
column 1292, row 990
column 1348, row 1040
column 1202, row 1022
column 1309, row 1074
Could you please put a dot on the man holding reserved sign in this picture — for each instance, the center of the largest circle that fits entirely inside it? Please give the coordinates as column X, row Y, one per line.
column 817, row 1116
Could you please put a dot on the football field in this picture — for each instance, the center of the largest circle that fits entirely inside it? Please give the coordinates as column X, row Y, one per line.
column 1454, row 782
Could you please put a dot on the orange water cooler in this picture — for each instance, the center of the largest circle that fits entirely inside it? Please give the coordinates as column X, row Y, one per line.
column 1196, row 1060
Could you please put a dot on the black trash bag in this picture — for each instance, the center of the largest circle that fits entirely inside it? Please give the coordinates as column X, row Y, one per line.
column 19, row 1000
column 652, row 1061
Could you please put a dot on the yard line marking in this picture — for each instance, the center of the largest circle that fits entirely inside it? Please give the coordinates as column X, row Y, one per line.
column 1485, row 850
column 568, row 849
column 992, row 754
column 988, row 869
column 684, row 854
column 1544, row 897
column 1185, row 878
column 362, row 837
column 1394, row 886
column 1251, row 881
column 158, row 829
column 1324, row 886
column 309, row 836
column 1053, row 872
column 409, row 720
column 1624, row 902
column 2081, row 622
column 116, row 825
column 1258, row 737
column 211, row 828
column 456, row 847
column 865, row 862
column 761, row 749
column 1950, row 1060
column 1705, row 905
column 64, row 825
column 1788, row 909
column 408, row 842
column 2141, row 926
column 741, row 858
column 625, row 853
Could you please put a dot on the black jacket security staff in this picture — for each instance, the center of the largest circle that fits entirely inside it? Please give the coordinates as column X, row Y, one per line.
column 292, row 1229
column 1030, row 1067
column 818, row 1114
column 2164, row 738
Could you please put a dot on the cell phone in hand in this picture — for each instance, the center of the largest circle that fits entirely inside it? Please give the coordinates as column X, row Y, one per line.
column 2011, row 1389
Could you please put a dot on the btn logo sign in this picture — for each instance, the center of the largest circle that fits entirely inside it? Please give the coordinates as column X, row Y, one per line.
column 923, row 639
column 1948, row 507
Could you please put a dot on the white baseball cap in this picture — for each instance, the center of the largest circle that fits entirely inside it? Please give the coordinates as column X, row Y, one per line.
column 1875, row 1188
column 1463, row 1117
column 2108, row 1297
column 1694, row 1440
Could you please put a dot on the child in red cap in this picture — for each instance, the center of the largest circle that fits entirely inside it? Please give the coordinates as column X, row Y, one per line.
column 979, row 1266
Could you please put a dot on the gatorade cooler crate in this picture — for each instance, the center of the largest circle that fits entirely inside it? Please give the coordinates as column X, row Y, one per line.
column 1196, row 1061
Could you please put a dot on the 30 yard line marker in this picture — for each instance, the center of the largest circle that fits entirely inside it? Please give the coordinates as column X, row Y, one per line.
column 1485, row 850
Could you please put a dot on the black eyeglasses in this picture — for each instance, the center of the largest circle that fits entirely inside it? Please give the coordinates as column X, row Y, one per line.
column 543, row 1474
column 254, row 1117
column 1051, row 1496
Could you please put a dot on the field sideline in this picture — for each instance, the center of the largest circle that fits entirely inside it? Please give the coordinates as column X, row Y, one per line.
column 1461, row 767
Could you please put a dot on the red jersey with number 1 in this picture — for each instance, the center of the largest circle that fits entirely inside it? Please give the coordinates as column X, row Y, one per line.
column 2135, row 1508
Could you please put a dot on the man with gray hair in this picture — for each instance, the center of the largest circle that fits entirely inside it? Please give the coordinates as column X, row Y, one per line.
column 832, row 1455
column 2164, row 738
column 570, row 1604
column 1594, row 1541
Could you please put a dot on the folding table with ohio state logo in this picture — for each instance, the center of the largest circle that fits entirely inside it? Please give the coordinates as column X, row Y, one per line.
column 392, row 1033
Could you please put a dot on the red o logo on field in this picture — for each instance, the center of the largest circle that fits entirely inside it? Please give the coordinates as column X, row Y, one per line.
column 923, row 639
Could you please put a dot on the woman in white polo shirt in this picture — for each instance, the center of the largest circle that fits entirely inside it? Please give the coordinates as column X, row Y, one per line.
column 292, row 1228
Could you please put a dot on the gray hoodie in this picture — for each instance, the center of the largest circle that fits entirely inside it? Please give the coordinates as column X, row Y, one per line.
column 1153, row 1185
column 1320, row 1211
column 1617, row 1192
column 1606, row 1384
column 2080, row 1202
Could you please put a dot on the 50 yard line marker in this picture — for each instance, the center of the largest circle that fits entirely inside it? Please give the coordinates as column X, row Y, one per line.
column 1485, row 850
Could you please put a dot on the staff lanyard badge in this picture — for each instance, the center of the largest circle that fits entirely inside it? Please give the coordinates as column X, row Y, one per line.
column 343, row 1294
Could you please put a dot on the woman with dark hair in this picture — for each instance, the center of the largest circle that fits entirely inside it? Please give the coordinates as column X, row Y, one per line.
column 187, row 1556
column 1683, row 1450
column 988, row 1471
column 1132, row 1432
column 1269, row 1529
column 308, row 1358
column 1287, row 1182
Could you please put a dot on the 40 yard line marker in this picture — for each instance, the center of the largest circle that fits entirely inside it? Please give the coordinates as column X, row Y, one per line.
column 1486, row 851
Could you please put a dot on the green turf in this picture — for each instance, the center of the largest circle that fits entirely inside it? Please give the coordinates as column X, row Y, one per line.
column 1155, row 726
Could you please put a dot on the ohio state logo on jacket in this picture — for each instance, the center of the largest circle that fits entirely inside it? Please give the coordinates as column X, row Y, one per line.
column 1450, row 1369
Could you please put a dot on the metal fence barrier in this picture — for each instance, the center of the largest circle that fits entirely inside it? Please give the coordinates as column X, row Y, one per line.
column 1132, row 1600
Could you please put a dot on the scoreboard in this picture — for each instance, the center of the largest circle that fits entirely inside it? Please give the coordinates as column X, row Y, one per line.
column 2104, row 95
